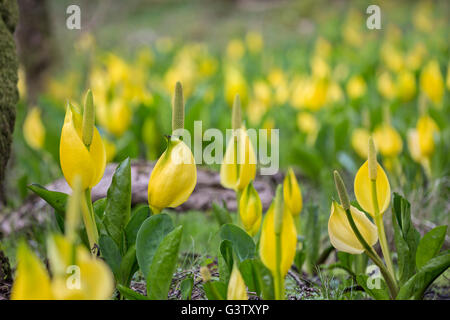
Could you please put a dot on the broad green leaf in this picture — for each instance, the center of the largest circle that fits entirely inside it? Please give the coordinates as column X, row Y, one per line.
column 415, row 287
column 299, row 259
column 136, row 220
column 215, row 290
column 243, row 244
column 378, row 293
column 111, row 253
column 430, row 245
column 128, row 266
column 99, row 207
column 186, row 287
column 265, row 280
column 163, row 265
column 406, row 238
column 57, row 200
column 118, row 203
column 226, row 250
column 130, row 294
column 250, row 273
column 149, row 236
column 222, row 215
column 312, row 238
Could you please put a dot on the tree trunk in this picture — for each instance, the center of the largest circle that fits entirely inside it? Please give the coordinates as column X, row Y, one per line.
column 8, row 84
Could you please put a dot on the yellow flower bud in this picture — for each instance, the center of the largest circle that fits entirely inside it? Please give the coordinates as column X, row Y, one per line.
column 432, row 82
column 406, row 85
column 75, row 157
column 236, row 286
column 239, row 164
column 292, row 193
column 33, row 129
column 173, row 178
column 267, row 246
column 388, row 140
column 250, row 209
column 341, row 234
column 363, row 189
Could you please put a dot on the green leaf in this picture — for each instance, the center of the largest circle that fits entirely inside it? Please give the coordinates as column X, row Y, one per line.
column 415, row 287
column 222, row 215
column 249, row 272
column 133, row 226
column 312, row 238
column 430, row 245
column 130, row 294
column 215, row 290
column 149, row 236
column 406, row 238
column 118, row 203
column 99, row 208
column 163, row 265
column 226, row 250
column 299, row 259
column 57, row 200
column 111, row 253
column 243, row 244
column 371, row 289
column 128, row 266
column 265, row 280
column 186, row 287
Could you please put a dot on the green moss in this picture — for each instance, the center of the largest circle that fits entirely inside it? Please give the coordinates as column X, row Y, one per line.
column 8, row 82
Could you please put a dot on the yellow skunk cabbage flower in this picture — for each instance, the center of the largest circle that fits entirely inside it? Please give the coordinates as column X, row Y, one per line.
column 33, row 129
column 267, row 249
column 356, row 87
column 341, row 234
column 406, row 85
column 236, row 286
column 250, row 209
column 91, row 280
column 254, row 41
column 239, row 163
column 363, row 193
column 359, row 141
column 432, row 82
column 388, row 140
column 386, row 86
column 426, row 128
column 75, row 156
column 32, row 281
column 175, row 175
column 292, row 193
column 173, row 178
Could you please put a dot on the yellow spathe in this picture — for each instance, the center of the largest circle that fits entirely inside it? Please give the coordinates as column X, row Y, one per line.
column 341, row 234
column 292, row 193
column 75, row 157
column 236, row 286
column 173, row 178
column 363, row 189
column 250, row 210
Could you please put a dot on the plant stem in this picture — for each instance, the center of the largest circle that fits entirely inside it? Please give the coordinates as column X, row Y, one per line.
column 381, row 233
column 279, row 281
column 238, row 213
column 89, row 222
column 390, row 281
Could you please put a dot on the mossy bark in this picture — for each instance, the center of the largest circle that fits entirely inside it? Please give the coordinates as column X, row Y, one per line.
column 8, row 83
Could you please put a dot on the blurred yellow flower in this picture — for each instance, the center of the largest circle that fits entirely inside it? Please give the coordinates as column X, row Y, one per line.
column 356, row 87
column 426, row 128
column 292, row 193
column 406, row 85
column 432, row 82
column 392, row 57
column 254, row 41
column 235, row 49
column 360, row 136
column 33, row 129
column 235, row 84
column 386, row 86
column 388, row 140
